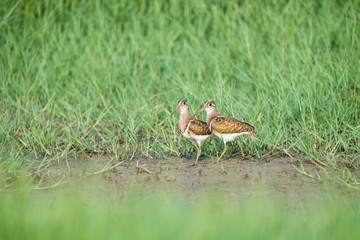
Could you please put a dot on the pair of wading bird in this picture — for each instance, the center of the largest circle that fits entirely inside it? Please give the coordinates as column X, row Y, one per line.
column 197, row 131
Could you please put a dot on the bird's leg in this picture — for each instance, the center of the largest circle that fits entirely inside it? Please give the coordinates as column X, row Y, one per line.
column 191, row 149
column 194, row 143
column 198, row 155
column 213, row 141
column 240, row 146
column 222, row 153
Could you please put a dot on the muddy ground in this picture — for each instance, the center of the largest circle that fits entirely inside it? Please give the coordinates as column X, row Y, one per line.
column 275, row 177
column 235, row 177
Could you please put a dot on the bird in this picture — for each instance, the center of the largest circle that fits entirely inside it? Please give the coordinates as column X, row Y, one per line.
column 224, row 127
column 193, row 129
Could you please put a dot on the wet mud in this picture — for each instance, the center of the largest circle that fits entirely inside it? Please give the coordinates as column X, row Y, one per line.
column 274, row 177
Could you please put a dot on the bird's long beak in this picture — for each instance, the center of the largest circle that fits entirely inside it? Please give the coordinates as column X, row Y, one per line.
column 175, row 111
column 199, row 111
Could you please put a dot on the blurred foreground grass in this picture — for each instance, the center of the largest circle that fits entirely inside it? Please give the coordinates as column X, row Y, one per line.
column 153, row 215
column 103, row 76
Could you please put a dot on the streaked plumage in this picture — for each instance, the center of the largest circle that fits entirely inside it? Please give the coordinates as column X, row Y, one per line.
column 226, row 128
column 224, row 124
column 198, row 127
column 195, row 130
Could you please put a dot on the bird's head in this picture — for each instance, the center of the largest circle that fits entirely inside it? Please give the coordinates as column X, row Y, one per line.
column 208, row 107
column 182, row 105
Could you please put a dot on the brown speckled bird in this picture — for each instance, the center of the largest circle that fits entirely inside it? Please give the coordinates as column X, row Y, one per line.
column 226, row 128
column 193, row 129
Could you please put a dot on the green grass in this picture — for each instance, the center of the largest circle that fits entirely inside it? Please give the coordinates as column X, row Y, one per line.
column 104, row 76
column 145, row 215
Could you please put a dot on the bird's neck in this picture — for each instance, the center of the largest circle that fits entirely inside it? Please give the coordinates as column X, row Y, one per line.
column 211, row 115
column 184, row 120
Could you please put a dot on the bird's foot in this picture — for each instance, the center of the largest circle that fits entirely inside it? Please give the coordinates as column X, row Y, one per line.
column 193, row 165
column 223, row 171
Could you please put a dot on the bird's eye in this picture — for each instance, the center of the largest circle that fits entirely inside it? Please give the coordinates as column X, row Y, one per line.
column 184, row 103
column 210, row 104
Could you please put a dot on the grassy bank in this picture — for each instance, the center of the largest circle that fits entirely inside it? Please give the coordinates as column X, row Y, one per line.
column 103, row 76
column 147, row 215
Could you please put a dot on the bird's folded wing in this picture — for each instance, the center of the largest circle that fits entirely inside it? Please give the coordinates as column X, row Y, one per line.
column 198, row 127
column 224, row 124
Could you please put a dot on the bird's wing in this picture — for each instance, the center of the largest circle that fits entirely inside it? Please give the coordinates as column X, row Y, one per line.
column 197, row 127
column 224, row 124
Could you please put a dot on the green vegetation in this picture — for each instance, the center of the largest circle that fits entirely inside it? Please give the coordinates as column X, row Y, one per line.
column 103, row 76
column 158, row 216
